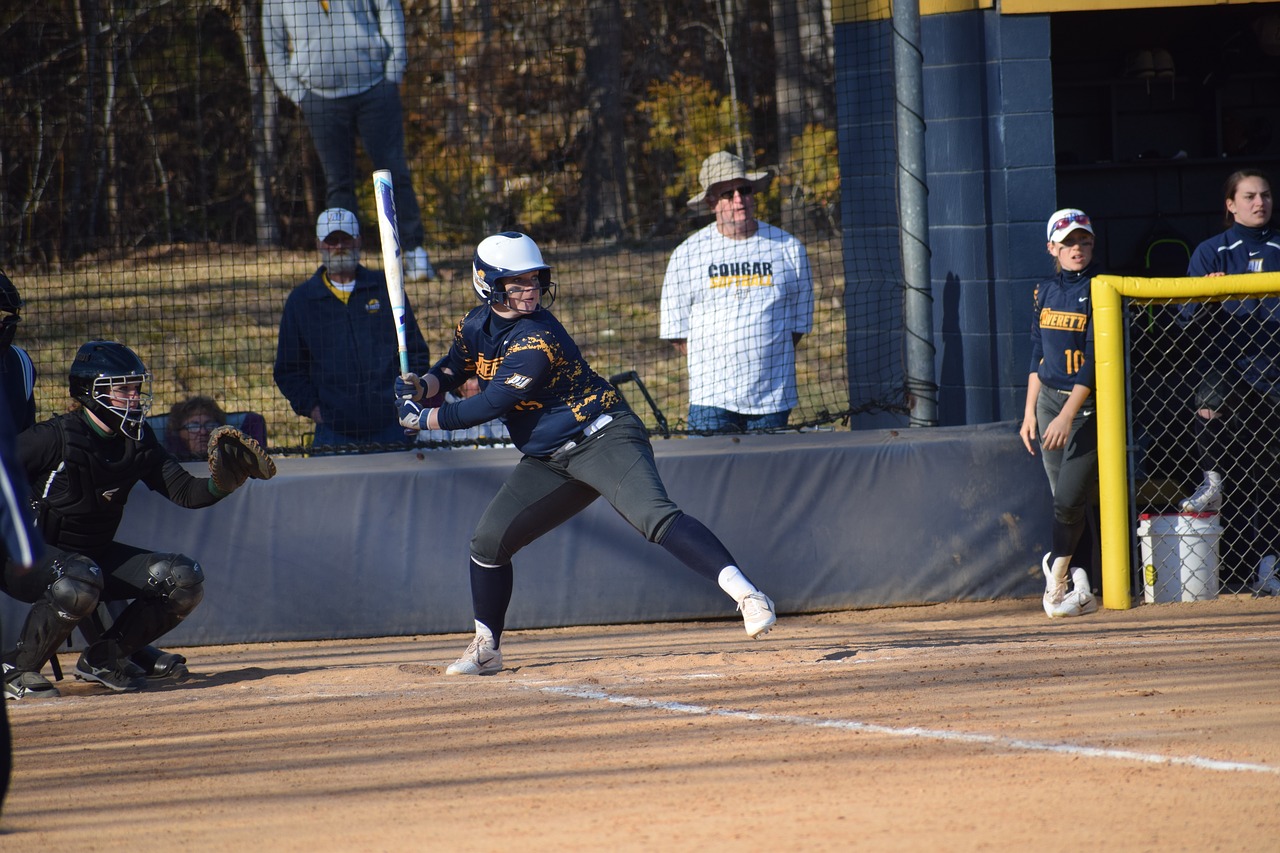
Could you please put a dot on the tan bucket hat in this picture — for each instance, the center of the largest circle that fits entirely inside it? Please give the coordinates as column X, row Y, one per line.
column 722, row 167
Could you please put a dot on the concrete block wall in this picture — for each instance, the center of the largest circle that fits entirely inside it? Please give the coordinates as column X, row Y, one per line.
column 989, row 108
column 990, row 170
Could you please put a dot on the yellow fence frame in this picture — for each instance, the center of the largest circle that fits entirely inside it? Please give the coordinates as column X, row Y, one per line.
column 1108, row 293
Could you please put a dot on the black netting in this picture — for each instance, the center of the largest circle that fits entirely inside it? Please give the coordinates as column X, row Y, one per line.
column 159, row 190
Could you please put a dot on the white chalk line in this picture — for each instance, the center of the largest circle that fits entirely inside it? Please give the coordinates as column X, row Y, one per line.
column 920, row 733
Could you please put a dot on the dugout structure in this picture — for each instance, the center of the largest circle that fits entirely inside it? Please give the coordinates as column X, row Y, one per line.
column 1146, row 361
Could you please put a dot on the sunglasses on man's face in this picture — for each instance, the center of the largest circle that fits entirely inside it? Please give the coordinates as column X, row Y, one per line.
column 746, row 191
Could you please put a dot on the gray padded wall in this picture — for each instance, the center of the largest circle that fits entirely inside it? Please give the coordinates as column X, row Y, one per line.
column 377, row 545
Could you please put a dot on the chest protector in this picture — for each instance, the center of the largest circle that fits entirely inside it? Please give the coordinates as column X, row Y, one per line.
column 79, row 504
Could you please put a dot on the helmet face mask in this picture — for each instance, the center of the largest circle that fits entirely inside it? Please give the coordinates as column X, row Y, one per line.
column 126, row 398
column 113, row 384
column 503, row 256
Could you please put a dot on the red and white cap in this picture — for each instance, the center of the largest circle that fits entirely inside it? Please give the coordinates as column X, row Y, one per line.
column 1064, row 221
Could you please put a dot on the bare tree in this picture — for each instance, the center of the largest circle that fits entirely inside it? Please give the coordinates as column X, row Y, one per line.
column 265, row 109
column 789, row 89
column 604, row 175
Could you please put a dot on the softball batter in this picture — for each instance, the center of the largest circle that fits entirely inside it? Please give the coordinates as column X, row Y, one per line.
column 579, row 439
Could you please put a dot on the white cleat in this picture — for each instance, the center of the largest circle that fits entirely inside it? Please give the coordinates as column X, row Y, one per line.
column 417, row 265
column 1267, row 583
column 481, row 658
column 1055, row 585
column 757, row 614
column 1080, row 601
column 1207, row 498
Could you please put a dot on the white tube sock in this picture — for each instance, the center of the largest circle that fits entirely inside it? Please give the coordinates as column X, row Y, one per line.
column 735, row 583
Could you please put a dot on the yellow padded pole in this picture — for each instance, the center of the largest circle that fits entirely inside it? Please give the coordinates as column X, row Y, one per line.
column 1113, row 486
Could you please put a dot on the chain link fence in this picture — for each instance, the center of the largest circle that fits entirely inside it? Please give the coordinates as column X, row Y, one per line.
column 1204, row 446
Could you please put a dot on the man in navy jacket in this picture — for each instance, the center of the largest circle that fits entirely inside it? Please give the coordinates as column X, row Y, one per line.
column 337, row 356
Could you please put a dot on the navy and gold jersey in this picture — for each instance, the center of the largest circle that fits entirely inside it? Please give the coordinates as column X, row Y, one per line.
column 532, row 376
column 1062, row 331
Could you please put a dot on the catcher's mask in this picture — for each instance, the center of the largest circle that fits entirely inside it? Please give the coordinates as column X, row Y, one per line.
column 112, row 382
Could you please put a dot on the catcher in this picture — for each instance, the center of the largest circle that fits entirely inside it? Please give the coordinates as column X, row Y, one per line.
column 81, row 467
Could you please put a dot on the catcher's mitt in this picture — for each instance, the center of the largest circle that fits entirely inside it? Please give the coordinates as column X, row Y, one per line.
column 235, row 457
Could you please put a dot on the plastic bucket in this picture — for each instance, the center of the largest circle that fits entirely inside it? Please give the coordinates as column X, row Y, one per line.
column 1179, row 553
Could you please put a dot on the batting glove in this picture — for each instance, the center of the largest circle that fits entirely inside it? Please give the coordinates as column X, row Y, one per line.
column 410, row 414
column 410, row 387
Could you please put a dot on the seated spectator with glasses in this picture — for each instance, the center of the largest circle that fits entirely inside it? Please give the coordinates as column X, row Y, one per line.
column 736, row 300
column 190, row 424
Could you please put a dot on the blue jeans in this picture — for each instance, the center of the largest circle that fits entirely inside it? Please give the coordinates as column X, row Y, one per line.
column 377, row 116
column 715, row 419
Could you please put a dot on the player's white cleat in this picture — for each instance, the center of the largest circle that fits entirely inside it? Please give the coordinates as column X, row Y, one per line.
column 481, row 658
column 1055, row 585
column 1207, row 498
column 1267, row 583
column 757, row 614
column 1080, row 600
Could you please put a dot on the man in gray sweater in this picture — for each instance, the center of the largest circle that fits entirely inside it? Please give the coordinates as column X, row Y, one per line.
column 341, row 62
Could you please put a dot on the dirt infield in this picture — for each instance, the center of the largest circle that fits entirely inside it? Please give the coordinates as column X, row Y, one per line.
column 951, row 727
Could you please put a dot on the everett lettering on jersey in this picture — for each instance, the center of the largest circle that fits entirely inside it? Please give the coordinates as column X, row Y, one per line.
column 1070, row 321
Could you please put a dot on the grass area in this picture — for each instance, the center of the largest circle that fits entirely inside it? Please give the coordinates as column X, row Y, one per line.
column 205, row 318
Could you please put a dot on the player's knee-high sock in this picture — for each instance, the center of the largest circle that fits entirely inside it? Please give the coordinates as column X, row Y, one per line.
column 1211, row 438
column 1065, row 538
column 491, row 595
column 1086, row 556
column 690, row 542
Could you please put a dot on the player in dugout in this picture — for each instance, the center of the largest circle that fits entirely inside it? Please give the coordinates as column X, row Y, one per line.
column 578, row 436
column 81, row 467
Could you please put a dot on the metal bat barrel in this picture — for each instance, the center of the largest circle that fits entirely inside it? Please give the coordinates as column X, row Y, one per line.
column 389, row 231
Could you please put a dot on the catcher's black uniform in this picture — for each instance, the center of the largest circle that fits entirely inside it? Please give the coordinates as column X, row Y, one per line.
column 80, row 479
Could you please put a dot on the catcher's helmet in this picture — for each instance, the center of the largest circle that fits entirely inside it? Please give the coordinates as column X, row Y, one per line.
column 504, row 255
column 102, row 366
column 10, row 304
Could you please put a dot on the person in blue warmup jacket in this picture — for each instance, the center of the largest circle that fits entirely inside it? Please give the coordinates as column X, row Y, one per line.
column 1237, row 383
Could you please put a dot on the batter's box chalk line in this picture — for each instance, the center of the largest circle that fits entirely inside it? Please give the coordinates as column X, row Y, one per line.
column 918, row 733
